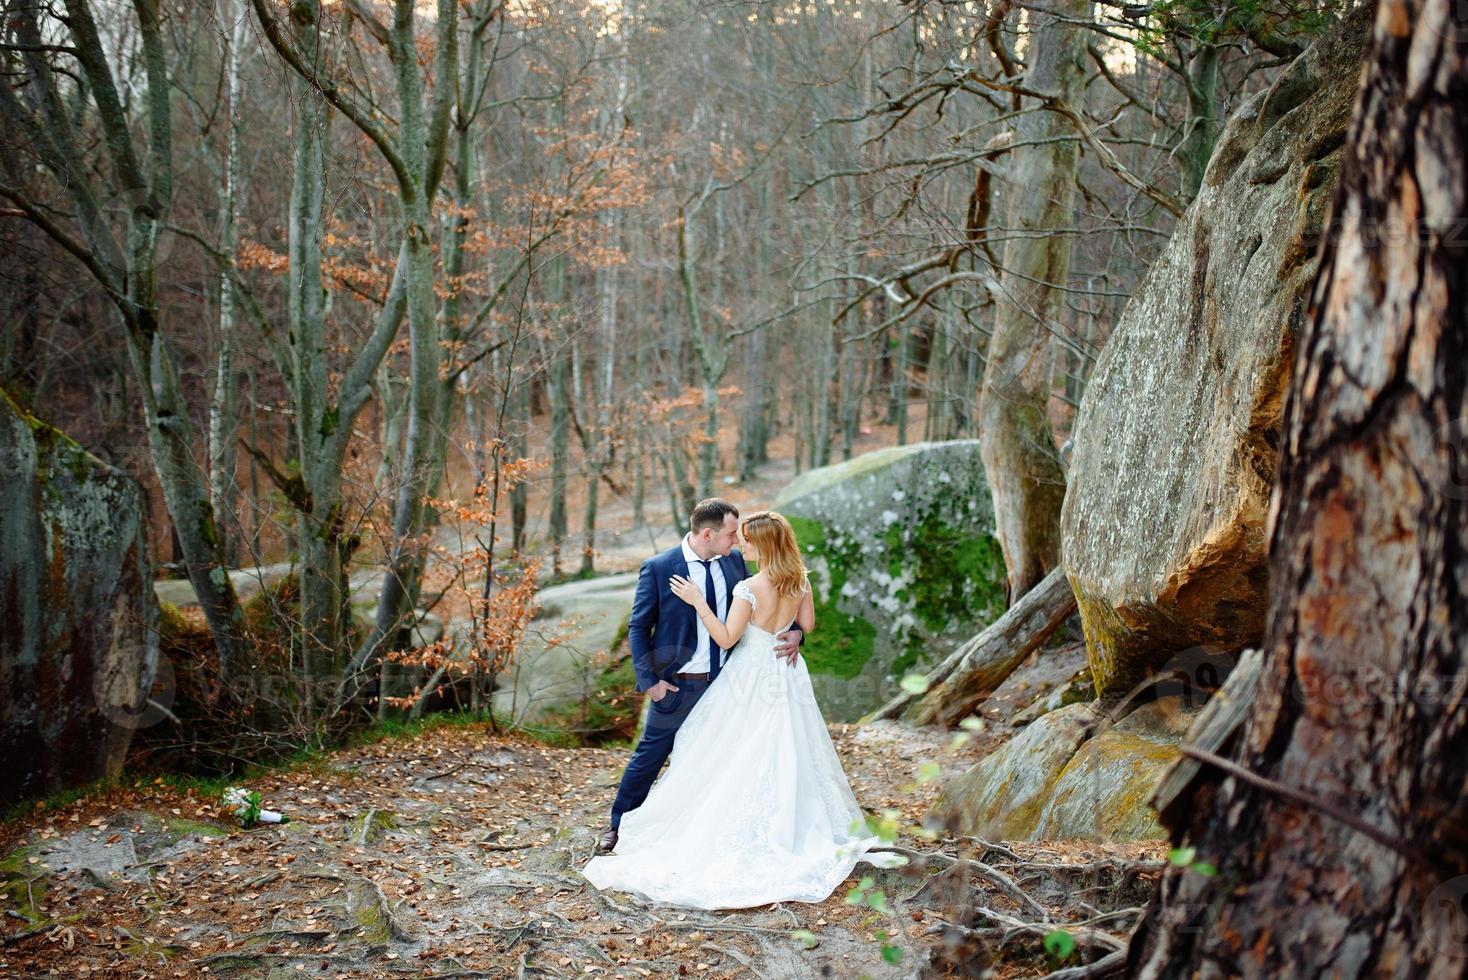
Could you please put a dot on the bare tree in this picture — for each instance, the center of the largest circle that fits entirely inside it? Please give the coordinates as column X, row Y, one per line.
column 62, row 103
column 1019, row 451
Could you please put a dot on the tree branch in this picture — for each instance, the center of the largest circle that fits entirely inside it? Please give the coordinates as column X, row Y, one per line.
column 270, row 24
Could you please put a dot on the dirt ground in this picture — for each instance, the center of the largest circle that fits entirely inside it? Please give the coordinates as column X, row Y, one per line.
column 454, row 854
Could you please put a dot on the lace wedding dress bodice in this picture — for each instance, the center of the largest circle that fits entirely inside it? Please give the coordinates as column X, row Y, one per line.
column 754, row 806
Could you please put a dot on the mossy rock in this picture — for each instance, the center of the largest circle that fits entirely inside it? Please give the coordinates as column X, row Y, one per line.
column 1103, row 790
column 79, row 641
column 569, row 675
column 548, row 858
column 157, row 834
column 842, row 643
column 902, row 555
column 1004, row 795
column 24, row 883
column 1175, row 449
column 1051, row 782
column 182, row 825
column 610, row 713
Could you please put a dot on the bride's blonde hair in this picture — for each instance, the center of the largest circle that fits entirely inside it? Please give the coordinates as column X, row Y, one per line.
column 779, row 555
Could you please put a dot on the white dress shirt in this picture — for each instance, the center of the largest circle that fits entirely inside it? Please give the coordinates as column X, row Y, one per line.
column 700, row 662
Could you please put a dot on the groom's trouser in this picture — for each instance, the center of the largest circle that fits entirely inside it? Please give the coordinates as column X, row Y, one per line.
column 663, row 719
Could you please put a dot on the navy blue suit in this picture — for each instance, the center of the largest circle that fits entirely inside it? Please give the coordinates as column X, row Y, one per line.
column 663, row 636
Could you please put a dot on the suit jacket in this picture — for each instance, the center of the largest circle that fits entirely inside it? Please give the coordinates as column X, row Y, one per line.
column 663, row 630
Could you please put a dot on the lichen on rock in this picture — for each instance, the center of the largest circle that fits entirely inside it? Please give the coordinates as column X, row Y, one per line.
column 1070, row 774
column 1176, row 440
column 1002, row 797
column 80, row 643
column 903, row 560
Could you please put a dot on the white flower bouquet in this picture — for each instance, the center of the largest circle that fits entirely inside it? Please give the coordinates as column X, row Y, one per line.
column 245, row 804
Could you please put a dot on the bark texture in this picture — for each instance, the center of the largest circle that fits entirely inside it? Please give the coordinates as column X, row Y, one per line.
column 1361, row 695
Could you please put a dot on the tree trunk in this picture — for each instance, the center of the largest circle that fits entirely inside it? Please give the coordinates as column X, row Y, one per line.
column 1202, row 125
column 1350, row 860
column 821, row 386
column 713, row 352
column 1020, row 458
column 939, row 422
column 392, row 412
column 558, row 383
column 754, row 430
column 678, row 511
column 318, row 511
column 224, row 405
column 519, row 449
column 171, row 442
column 125, row 263
column 604, row 388
column 901, row 345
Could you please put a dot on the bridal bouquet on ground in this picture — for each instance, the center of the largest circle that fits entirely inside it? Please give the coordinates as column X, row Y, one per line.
column 245, row 804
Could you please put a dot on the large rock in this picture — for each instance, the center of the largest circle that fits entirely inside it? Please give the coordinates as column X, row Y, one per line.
column 564, row 657
column 901, row 549
column 1003, row 796
column 1175, row 445
column 1055, row 780
column 79, row 644
column 1105, row 788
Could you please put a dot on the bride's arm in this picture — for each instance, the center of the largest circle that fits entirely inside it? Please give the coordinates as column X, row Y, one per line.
column 724, row 634
column 805, row 617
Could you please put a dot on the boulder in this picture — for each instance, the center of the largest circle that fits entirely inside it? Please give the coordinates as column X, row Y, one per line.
column 902, row 554
column 1003, row 796
column 1055, row 780
column 1176, row 440
column 564, row 656
column 79, row 646
column 1105, row 788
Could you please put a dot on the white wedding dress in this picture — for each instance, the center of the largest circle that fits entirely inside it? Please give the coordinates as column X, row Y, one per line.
column 754, row 807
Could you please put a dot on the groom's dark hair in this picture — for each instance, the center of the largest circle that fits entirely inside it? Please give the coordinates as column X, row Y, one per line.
column 711, row 513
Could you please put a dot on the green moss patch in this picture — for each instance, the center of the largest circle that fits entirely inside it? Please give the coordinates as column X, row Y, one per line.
column 184, row 826
column 24, row 884
column 949, row 574
column 371, row 826
column 953, row 574
column 841, row 644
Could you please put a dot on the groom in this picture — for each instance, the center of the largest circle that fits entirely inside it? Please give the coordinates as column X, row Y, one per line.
column 671, row 650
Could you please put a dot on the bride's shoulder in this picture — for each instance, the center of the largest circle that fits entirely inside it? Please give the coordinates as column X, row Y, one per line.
column 747, row 587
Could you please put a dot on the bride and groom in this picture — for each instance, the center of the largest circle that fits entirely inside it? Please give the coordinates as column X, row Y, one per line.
column 754, row 807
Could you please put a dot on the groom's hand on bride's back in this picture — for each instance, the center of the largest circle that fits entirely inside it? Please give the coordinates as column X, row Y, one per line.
column 787, row 645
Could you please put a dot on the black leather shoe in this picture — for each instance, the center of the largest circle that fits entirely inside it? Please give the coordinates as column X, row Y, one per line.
column 608, row 841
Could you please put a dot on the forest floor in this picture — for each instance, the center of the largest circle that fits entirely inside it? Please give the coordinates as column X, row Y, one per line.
column 454, row 853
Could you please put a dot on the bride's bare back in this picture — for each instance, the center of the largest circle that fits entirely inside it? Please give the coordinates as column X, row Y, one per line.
column 772, row 613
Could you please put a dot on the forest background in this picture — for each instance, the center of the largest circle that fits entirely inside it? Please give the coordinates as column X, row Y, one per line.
column 326, row 276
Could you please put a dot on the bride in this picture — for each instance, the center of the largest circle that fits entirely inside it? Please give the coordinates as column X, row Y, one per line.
column 754, row 807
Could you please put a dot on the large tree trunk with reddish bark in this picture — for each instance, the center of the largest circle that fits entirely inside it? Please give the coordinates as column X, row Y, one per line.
column 1342, row 851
